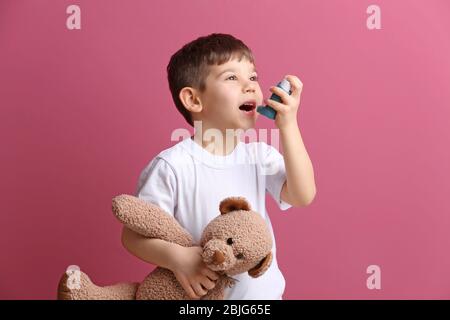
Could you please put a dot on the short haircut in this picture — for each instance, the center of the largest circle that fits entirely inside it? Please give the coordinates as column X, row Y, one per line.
column 189, row 66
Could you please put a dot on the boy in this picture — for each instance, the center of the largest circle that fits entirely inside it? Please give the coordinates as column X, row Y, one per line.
column 213, row 81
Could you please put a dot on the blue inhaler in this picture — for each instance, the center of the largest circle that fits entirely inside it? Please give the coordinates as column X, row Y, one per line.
column 269, row 112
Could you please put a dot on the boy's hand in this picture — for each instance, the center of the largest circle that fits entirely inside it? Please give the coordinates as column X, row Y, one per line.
column 191, row 272
column 286, row 111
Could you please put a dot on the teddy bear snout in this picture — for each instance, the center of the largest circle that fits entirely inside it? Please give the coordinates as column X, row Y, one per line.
column 217, row 255
column 218, row 258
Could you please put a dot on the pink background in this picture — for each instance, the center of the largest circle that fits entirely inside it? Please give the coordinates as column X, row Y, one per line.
column 83, row 111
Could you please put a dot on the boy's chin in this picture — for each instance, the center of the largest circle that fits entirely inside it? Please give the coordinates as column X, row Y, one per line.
column 246, row 124
column 241, row 125
column 249, row 125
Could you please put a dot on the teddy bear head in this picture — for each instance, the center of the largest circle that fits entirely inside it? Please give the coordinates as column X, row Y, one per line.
column 238, row 240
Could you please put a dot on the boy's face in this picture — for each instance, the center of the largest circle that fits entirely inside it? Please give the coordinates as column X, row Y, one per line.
column 228, row 86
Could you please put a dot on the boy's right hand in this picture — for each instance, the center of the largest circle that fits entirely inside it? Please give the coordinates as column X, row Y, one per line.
column 191, row 272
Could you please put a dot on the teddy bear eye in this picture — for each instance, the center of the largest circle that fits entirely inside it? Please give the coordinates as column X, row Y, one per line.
column 230, row 241
column 240, row 256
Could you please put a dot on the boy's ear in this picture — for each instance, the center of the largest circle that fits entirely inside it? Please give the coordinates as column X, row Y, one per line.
column 190, row 99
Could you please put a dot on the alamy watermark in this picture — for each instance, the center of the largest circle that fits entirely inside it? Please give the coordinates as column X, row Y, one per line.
column 216, row 142
column 374, row 280
column 74, row 277
column 73, row 22
column 374, row 20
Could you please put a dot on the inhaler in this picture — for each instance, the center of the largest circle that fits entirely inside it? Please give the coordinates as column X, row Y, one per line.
column 269, row 112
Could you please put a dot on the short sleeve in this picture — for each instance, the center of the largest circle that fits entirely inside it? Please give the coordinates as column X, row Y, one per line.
column 157, row 184
column 275, row 173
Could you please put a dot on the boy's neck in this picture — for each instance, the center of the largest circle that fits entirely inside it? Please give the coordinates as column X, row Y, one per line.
column 215, row 146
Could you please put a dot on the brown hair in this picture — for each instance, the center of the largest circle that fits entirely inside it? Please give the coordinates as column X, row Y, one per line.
column 189, row 66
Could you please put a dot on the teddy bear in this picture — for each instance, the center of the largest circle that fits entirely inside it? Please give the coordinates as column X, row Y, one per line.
column 236, row 241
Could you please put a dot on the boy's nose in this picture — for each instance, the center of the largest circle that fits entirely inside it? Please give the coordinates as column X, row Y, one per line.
column 249, row 85
column 250, row 88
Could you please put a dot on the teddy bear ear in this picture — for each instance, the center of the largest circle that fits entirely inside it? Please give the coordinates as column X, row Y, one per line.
column 233, row 204
column 261, row 267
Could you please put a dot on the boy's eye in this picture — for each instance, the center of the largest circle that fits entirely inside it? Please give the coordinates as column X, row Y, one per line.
column 254, row 78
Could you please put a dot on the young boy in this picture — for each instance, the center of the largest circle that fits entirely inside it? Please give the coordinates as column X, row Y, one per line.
column 211, row 78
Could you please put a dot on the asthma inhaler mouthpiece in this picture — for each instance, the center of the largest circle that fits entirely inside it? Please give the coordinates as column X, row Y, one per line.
column 269, row 112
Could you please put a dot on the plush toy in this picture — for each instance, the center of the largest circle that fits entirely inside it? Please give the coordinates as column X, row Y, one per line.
column 236, row 241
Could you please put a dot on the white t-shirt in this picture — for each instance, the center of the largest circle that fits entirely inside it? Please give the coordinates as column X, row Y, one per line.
column 189, row 182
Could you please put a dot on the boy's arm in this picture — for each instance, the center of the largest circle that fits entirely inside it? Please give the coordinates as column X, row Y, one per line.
column 185, row 262
column 299, row 188
column 154, row 251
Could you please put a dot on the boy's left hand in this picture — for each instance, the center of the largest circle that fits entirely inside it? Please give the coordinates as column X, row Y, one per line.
column 287, row 110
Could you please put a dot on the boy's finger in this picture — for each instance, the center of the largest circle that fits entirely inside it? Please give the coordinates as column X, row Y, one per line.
column 281, row 93
column 190, row 292
column 210, row 274
column 279, row 107
column 296, row 85
column 208, row 284
column 198, row 289
column 294, row 81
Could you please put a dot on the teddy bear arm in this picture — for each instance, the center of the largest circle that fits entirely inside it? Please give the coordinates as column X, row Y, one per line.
column 149, row 220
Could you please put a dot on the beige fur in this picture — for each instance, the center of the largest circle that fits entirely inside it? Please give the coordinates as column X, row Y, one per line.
column 249, row 250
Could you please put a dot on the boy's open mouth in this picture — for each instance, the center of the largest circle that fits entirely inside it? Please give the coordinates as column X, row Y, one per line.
column 248, row 106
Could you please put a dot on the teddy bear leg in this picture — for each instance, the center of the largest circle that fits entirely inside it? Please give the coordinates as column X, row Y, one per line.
column 84, row 289
column 161, row 284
